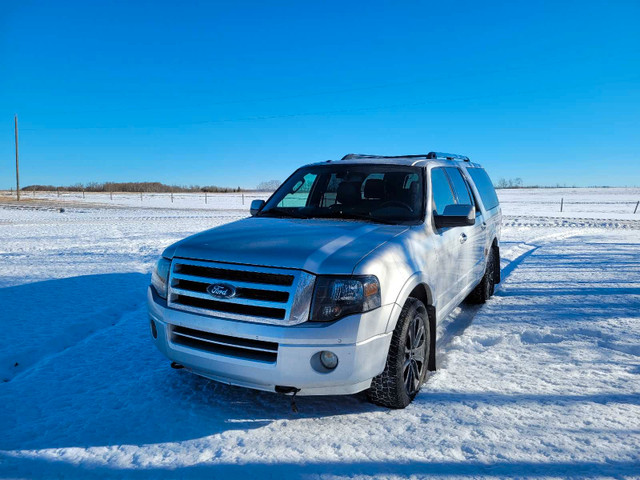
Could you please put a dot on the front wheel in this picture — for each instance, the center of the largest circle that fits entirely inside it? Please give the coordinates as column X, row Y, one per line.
column 407, row 361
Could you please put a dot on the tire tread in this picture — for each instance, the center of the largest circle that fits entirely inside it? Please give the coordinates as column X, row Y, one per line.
column 387, row 389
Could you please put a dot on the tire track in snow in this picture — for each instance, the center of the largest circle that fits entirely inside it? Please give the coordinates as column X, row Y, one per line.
column 462, row 317
column 511, row 258
column 568, row 222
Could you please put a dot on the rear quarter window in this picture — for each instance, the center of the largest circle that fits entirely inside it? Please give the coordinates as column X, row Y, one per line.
column 485, row 187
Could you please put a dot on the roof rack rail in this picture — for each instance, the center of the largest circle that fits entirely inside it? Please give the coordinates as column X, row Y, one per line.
column 363, row 156
column 447, row 156
column 430, row 155
column 356, row 156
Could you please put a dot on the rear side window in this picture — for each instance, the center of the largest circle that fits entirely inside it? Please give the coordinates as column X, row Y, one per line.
column 459, row 186
column 485, row 187
column 442, row 194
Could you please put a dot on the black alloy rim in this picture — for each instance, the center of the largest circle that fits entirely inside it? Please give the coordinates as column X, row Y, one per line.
column 414, row 355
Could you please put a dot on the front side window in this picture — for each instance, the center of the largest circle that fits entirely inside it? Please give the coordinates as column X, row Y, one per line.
column 441, row 188
column 376, row 193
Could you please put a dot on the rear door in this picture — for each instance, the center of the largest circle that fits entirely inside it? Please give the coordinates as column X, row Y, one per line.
column 486, row 194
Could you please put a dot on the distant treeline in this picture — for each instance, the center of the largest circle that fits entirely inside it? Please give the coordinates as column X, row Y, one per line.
column 509, row 183
column 129, row 187
column 518, row 183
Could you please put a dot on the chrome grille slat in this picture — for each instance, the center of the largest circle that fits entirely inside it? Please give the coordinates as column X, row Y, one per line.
column 226, row 344
column 262, row 294
column 194, row 278
column 233, row 272
column 245, row 348
column 240, row 301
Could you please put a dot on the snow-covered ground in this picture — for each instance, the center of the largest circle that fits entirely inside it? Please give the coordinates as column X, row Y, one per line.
column 543, row 381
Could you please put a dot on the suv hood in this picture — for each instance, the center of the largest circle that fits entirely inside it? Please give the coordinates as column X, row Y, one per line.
column 316, row 245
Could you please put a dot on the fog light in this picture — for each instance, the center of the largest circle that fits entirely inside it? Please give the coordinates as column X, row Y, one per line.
column 154, row 331
column 329, row 360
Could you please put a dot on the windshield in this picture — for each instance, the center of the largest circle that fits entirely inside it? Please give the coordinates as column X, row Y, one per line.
column 376, row 193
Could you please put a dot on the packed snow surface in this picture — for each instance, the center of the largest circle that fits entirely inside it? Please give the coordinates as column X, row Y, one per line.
column 543, row 381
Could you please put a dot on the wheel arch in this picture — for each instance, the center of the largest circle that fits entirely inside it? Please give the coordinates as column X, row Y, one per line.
column 417, row 287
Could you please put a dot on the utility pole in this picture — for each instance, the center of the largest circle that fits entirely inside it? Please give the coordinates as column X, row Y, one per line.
column 17, row 164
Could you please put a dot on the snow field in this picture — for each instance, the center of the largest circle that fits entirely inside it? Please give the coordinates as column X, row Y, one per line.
column 543, row 381
column 197, row 201
column 594, row 203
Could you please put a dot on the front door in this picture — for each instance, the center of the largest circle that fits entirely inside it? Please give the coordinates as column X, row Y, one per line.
column 447, row 242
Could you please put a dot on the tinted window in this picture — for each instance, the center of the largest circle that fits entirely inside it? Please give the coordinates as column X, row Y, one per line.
column 459, row 186
column 299, row 194
column 485, row 187
column 442, row 194
column 374, row 193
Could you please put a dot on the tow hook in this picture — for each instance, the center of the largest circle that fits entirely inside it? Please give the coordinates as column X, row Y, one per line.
column 176, row 366
column 286, row 390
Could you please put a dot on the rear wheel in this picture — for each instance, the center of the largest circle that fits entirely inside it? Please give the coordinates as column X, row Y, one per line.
column 407, row 361
column 484, row 290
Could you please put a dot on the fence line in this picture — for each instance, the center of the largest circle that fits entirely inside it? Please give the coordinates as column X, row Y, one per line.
column 221, row 200
column 214, row 199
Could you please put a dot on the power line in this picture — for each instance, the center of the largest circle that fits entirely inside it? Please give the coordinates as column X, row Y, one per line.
column 350, row 110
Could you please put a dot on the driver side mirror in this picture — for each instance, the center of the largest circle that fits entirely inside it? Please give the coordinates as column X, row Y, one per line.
column 456, row 216
column 256, row 206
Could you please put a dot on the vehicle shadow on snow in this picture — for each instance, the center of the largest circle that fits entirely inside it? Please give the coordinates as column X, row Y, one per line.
column 93, row 377
column 158, row 405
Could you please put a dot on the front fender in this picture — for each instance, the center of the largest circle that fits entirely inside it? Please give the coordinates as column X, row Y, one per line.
column 415, row 280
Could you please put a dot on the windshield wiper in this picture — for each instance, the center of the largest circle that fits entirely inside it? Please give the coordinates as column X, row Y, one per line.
column 355, row 216
column 282, row 213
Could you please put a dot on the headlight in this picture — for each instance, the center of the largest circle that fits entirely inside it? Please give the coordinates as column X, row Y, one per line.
column 160, row 276
column 337, row 297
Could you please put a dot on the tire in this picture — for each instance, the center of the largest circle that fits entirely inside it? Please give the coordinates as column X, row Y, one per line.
column 484, row 290
column 406, row 368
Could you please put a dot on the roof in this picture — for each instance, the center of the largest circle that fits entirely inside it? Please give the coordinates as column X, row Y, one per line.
column 411, row 160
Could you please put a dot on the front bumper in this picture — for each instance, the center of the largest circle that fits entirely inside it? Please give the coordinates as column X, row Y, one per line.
column 359, row 341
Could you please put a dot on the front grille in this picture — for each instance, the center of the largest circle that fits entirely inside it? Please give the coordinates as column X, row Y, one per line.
column 262, row 294
column 245, row 348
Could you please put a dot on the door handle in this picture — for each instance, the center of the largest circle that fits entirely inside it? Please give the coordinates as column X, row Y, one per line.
column 463, row 238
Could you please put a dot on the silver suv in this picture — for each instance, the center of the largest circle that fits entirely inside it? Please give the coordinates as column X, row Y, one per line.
column 335, row 284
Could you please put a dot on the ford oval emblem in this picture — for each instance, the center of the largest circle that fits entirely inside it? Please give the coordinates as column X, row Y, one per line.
column 221, row 290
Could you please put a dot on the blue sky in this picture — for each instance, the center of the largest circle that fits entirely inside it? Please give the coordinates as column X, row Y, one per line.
column 233, row 93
